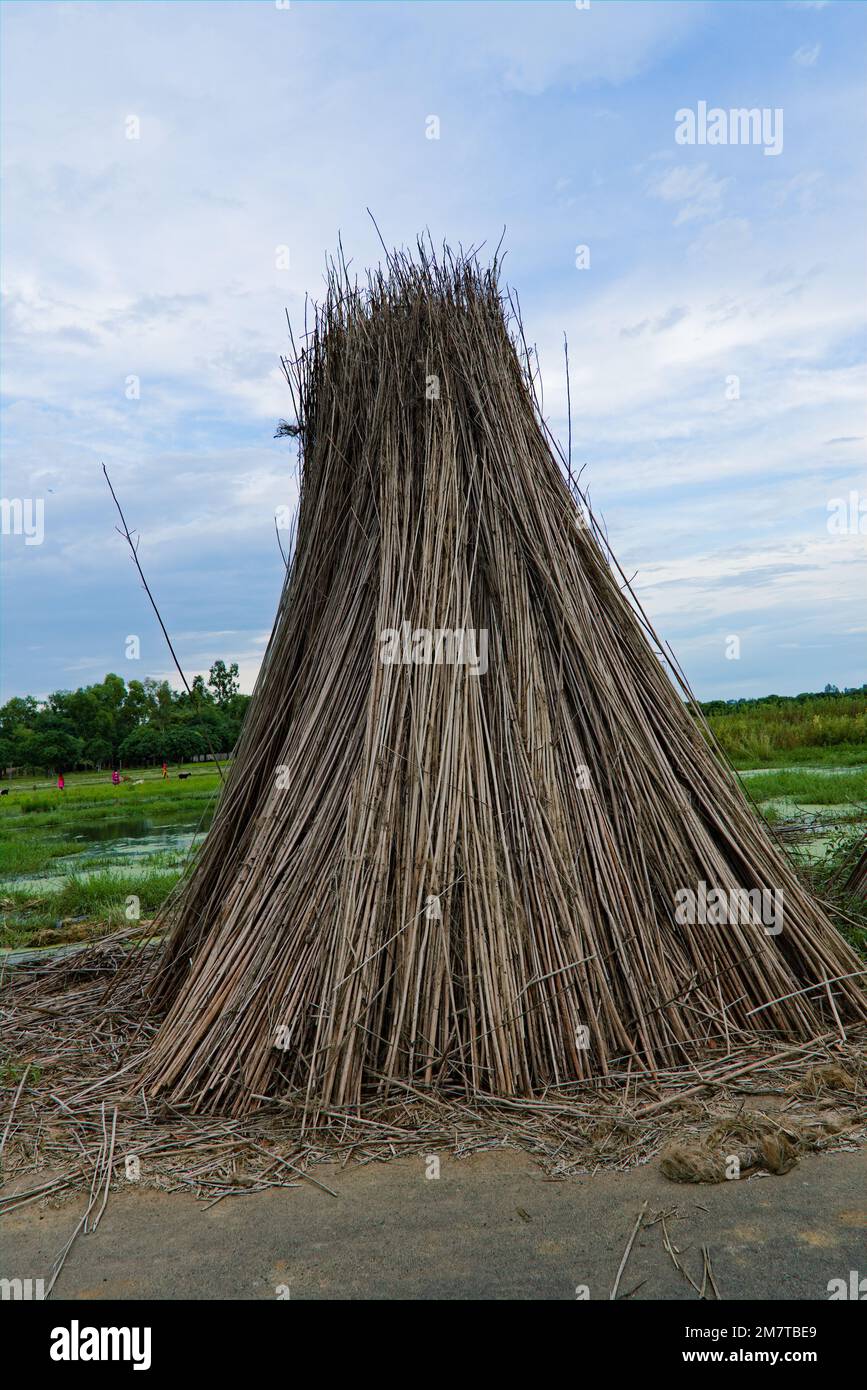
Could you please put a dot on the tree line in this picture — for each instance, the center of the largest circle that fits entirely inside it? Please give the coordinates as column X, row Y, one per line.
column 115, row 724
column 770, row 724
column 851, row 700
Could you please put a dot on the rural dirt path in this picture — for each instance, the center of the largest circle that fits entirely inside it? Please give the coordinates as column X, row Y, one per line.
column 489, row 1227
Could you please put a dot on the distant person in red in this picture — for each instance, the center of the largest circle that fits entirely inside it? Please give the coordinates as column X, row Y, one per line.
column 165, row 770
column 60, row 782
column 115, row 779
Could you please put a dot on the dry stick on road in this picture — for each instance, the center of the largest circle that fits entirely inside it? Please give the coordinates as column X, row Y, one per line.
column 629, row 1245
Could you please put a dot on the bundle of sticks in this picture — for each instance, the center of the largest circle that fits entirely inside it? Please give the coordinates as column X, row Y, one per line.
column 469, row 803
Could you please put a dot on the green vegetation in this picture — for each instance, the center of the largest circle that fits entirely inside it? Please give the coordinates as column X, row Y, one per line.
column 11, row 1072
column 809, row 787
column 113, row 724
column 828, row 729
column 827, row 875
column 69, row 861
column 102, row 899
column 39, row 827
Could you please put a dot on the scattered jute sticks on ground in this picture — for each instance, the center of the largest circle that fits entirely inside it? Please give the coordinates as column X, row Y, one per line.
column 73, row 1100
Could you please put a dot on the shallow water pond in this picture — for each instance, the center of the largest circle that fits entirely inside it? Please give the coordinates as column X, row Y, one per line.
column 127, row 827
column 813, row 771
column 119, row 847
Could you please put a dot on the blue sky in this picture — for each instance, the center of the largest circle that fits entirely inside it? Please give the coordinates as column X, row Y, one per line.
column 262, row 127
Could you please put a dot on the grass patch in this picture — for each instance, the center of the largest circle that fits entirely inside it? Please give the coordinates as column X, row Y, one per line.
column 102, row 800
column 29, row 854
column 808, row 787
column 847, row 911
column 11, row 1072
column 40, row 829
column 809, row 755
column 102, row 898
column 780, row 730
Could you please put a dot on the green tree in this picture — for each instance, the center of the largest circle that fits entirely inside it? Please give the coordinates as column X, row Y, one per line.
column 18, row 713
column 144, row 745
column 55, row 751
column 223, row 681
column 98, row 752
column 184, row 743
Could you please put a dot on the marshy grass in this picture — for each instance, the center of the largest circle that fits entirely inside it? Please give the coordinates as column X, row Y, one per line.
column 850, row 754
column 810, row 787
column 101, row 899
column 42, row 830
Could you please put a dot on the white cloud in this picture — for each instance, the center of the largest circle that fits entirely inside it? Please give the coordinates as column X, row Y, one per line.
column 692, row 186
column 262, row 127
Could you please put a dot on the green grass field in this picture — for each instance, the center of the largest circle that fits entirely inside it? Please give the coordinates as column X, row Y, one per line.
column 71, row 861
column 823, row 729
column 809, row 786
column 807, row 756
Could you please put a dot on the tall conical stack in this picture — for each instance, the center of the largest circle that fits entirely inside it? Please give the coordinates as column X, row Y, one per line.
column 472, row 836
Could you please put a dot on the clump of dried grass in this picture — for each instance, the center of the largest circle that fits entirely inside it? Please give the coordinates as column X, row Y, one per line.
column 817, row 1080
column 755, row 1141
